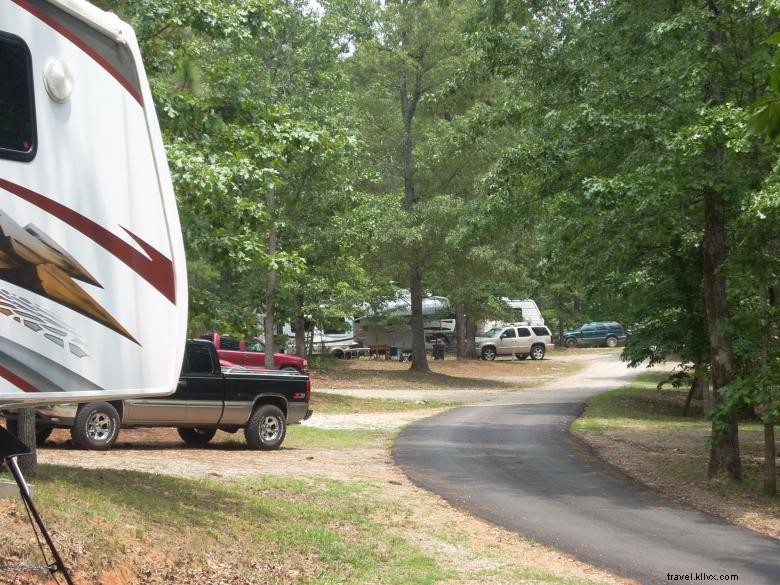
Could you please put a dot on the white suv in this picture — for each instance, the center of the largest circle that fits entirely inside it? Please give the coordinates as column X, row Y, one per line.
column 519, row 339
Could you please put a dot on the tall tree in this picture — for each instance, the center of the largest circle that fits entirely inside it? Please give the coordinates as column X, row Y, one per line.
column 634, row 144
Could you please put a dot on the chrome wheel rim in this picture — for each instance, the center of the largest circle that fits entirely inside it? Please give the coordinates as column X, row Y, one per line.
column 100, row 427
column 270, row 429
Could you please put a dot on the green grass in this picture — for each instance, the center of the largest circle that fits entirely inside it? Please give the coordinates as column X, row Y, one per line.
column 641, row 404
column 316, row 531
column 675, row 448
column 305, row 436
column 327, row 403
column 265, row 529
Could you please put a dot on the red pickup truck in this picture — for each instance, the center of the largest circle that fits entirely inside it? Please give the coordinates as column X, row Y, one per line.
column 252, row 353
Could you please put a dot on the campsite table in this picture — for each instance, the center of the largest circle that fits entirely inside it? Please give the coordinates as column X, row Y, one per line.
column 356, row 352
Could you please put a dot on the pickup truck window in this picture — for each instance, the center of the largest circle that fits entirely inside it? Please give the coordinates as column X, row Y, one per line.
column 255, row 345
column 17, row 114
column 230, row 343
column 199, row 359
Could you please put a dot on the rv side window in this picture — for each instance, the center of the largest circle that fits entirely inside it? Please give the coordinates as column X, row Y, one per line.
column 17, row 114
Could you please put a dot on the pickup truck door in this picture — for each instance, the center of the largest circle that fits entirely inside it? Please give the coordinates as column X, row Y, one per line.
column 202, row 387
column 230, row 349
column 253, row 354
column 199, row 389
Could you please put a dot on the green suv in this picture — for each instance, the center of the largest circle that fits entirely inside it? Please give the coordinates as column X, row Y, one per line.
column 608, row 333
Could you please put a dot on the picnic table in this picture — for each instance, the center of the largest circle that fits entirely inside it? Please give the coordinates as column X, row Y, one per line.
column 356, row 352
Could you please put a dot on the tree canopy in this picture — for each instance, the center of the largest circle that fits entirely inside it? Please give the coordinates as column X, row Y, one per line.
column 612, row 159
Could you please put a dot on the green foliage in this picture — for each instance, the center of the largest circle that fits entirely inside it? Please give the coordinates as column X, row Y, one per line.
column 559, row 150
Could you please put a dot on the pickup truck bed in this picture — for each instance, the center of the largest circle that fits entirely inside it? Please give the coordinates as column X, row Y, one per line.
column 207, row 398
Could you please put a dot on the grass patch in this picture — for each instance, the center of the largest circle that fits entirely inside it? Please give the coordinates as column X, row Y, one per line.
column 504, row 373
column 642, row 404
column 641, row 429
column 133, row 527
column 342, row 404
column 306, row 436
column 262, row 530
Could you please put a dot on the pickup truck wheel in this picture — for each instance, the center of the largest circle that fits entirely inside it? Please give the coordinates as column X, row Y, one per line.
column 612, row 341
column 96, row 426
column 537, row 352
column 489, row 353
column 196, row 436
column 42, row 432
column 571, row 342
column 266, row 428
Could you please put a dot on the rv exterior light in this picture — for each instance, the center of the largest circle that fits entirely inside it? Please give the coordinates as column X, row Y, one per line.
column 58, row 80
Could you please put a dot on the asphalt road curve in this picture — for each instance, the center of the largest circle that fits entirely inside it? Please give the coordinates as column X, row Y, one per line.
column 512, row 462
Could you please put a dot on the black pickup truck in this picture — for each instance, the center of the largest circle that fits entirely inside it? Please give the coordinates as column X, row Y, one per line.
column 208, row 397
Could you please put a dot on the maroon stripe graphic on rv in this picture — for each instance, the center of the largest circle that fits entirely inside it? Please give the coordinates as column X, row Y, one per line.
column 153, row 267
column 114, row 57
column 20, row 383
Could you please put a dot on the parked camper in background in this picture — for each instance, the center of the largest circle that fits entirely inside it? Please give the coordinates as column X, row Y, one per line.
column 335, row 339
column 93, row 299
column 526, row 311
column 390, row 325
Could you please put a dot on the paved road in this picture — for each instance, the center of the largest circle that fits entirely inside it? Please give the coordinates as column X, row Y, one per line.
column 512, row 462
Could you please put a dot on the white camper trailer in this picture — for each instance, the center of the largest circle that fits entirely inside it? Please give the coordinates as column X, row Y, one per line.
column 93, row 291
column 390, row 324
column 526, row 311
column 334, row 340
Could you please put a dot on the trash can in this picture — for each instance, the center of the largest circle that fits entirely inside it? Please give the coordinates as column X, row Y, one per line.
column 393, row 353
column 438, row 351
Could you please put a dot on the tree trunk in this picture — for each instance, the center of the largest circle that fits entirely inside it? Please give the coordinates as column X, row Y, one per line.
column 25, row 430
column 724, row 454
column 770, row 456
column 300, row 327
column 471, row 344
column 688, row 398
column 310, row 342
column 698, row 391
column 460, row 328
column 770, row 465
column 419, row 357
column 559, row 305
column 408, row 107
column 270, row 343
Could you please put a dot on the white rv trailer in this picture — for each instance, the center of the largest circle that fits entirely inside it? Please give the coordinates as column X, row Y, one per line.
column 526, row 311
column 93, row 291
column 390, row 324
column 329, row 341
